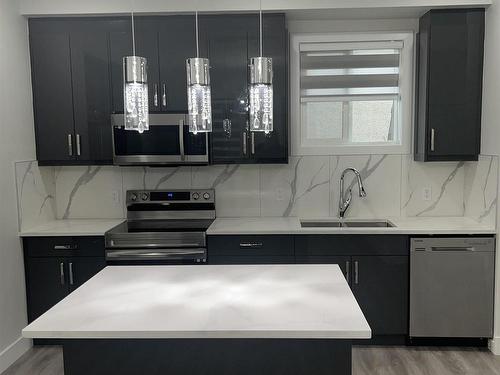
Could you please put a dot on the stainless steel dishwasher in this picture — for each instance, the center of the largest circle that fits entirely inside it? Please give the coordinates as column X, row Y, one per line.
column 452, row 287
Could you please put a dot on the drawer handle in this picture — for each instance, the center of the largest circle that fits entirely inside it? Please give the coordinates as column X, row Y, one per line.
column 65, row 247
column 253, row 245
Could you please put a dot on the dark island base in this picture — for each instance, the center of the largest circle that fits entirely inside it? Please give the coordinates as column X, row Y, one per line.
column 207, row 357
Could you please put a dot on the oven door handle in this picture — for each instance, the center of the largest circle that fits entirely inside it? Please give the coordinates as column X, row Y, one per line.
column 136, row 245
column 148, row 254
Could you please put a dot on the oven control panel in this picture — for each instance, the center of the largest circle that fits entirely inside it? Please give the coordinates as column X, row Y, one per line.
column 165, row 196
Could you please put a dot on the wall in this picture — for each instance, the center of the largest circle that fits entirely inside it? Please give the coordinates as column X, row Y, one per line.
column 16, row 143
column 490, row 143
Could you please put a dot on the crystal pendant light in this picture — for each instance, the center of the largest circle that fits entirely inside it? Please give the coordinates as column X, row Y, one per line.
column 198, row 91
column 135, row 90
column 261, row 90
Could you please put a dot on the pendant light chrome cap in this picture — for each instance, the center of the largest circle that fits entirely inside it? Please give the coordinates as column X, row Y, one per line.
column 135, row 69
column 198, row 71
column 261, row 70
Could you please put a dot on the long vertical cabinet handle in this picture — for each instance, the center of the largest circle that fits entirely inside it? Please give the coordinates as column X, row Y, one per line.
column 356, row 272
column 347, row 266
column 244, row 143
column 164, row 96
column 70, row 145
column 253, row 143
column 155, row 95
column 61, row 272
column 433, row 138
column 78, row 145
column 181, row 139
column 71, row 273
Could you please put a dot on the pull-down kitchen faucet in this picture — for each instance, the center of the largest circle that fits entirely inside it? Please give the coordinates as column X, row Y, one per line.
column 345, row 203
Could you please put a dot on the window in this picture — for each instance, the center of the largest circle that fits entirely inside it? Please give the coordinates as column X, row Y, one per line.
column 351, row 93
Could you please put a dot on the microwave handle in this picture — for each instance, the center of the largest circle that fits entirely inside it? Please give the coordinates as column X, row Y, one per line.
column 181, row 139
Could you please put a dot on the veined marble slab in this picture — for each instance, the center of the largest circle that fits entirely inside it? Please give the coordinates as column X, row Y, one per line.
column 208, row 301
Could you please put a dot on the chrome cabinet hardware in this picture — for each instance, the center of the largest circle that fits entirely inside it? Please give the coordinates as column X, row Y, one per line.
column 253, row 245
column 181, row 140
column 356, row 272
column 164, row 95
column 78, row 145
column 253, row 143
column 70, row 273
column 155, row 95
column 70, row 145
column 61, row 272
column 65, row 247
column 244, row 143
column 433, row 137
column 347, row 266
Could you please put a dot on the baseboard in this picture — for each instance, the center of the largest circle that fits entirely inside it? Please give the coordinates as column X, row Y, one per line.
column 494, row 345
column 12, row 353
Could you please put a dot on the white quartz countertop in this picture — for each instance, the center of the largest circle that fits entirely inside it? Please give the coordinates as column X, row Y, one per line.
column 291, row 225
column 208, row 301
column 73, row 227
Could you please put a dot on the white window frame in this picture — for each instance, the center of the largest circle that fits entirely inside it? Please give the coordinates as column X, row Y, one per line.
column 402, row 144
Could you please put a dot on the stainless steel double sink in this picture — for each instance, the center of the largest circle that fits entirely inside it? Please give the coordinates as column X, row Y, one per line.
column 346, row 224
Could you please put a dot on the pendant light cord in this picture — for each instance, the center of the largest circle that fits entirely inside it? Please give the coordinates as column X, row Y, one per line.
column 133, row 34
column 260, row 20
column 197, row 37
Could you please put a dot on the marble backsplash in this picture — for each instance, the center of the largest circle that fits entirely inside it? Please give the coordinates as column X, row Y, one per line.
column 307, row 186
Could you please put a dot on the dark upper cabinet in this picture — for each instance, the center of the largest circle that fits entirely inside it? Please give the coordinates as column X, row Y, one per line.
column 449, row 85
column 71, row 91
column 229, row 41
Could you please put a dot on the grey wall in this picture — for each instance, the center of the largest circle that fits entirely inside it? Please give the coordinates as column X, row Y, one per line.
column 16, row 143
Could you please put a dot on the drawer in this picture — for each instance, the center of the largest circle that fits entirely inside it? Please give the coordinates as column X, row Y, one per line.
column 63, row 246
column 329, row 245
column 232, row 259
column 250, row 246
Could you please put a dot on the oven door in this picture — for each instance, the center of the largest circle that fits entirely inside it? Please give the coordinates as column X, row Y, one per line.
column 157, row 256
column 168, row 141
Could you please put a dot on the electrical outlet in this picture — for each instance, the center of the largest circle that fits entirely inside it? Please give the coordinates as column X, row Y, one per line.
column 427, row 194
column 115, row 196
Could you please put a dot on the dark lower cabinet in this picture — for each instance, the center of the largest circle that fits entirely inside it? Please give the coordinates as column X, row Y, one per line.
column 380, row 285
column 344, row 263
column 55, row 266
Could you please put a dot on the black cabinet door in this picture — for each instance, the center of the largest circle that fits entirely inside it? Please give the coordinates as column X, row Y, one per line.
column 52, row 92
column 83, row 268
column 177, row 41
column 225, row 42
column 450, row 85
column 91, row 92
column 46, row 284
column 120, row 45
column 273, row 147
column 344, row 262
column 380, row 285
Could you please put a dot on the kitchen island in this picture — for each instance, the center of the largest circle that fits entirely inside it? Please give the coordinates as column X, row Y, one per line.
column 266, row 319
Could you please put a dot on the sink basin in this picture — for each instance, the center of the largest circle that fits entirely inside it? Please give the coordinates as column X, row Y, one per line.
column 346, row 224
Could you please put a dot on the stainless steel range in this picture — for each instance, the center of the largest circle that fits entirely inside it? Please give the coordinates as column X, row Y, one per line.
column 162, row 227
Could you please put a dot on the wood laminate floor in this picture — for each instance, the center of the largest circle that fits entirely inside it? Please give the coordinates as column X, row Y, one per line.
column 366, row 361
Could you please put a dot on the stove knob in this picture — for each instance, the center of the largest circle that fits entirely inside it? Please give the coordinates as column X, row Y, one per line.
column 196, row 196
column 133, row 197
column 206, row 196
column 145, row 197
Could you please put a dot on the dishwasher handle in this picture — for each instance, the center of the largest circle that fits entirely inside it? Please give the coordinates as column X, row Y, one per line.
column 452, row 248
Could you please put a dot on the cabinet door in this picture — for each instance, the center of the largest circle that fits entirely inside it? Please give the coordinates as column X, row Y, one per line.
column 455, row 82
column 91, row 92
column 146, row 43
column 177, row 40
column 120, row 45
column 344, row 262
column 83, row 268
column 226, row 45
column 380, row 285
column 46, row 284
column 272, row 148
column 52, row 92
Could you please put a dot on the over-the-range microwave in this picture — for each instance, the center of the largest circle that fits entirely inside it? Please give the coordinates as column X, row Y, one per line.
column 167, row 142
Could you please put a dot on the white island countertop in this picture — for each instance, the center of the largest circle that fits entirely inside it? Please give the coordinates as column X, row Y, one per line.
column 205, row 301
column 72, row 227
column 403, row 225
